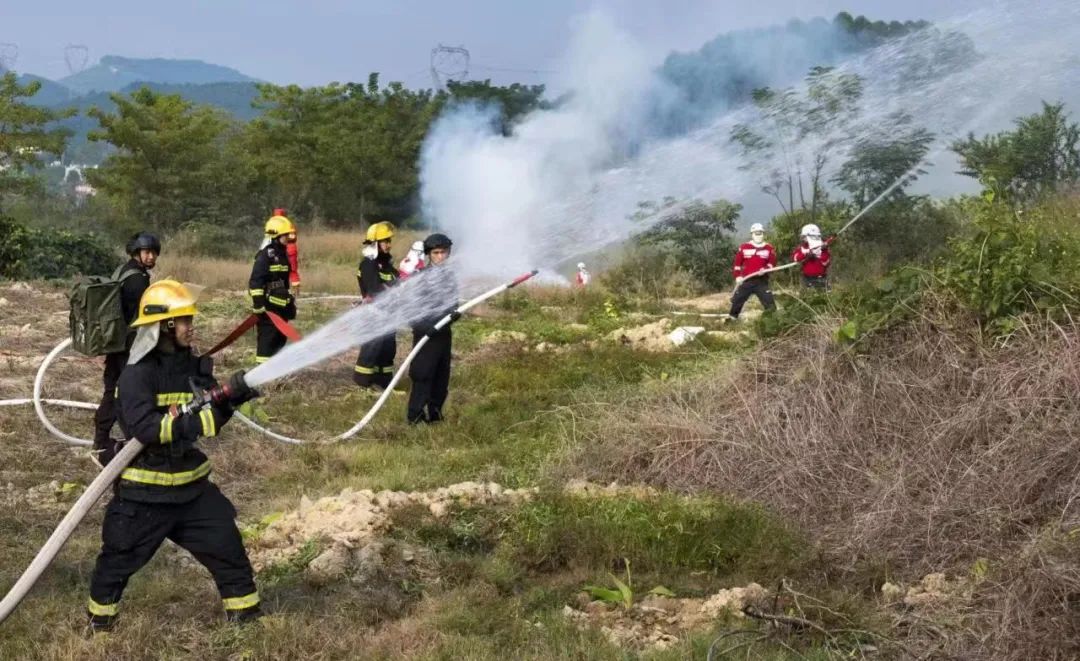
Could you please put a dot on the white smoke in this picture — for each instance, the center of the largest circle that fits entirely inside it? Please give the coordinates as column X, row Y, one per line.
column 503, row 200
column 567, row 180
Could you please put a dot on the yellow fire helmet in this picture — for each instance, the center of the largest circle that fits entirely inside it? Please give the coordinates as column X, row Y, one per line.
column 380, row 231
column 165, row 299
column 279, row 226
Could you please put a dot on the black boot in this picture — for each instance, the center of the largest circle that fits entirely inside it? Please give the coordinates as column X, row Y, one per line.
column 243, row 615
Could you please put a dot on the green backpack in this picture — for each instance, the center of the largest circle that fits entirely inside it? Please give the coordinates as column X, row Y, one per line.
column 96, row 319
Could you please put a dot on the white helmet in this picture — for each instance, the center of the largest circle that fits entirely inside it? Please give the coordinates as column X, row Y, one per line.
column 581, row 265
column 810, row 230
column 757, row 227
column 417, row 246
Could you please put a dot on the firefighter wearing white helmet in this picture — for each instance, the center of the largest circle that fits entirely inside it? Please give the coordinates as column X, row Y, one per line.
column 813, row 255
column 583, row 277
column 752, row 257
column 413, row 262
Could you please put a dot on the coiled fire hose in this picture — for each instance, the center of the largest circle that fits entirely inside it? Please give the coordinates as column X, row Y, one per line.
column 132, row 448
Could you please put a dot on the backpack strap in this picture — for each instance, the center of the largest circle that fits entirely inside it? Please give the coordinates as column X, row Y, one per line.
column 120, row 274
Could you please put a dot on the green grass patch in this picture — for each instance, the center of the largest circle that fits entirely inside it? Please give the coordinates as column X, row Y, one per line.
column 663, row 532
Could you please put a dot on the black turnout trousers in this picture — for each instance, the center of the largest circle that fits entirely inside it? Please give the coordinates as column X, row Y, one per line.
column 375, row 364
column 430, row 375
column 105, row 416
column 752, row 287
column 205, row 527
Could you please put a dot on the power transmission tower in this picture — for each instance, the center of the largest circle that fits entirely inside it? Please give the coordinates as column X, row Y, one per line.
column 9, row 55
column 76, row 56
column 448, row 63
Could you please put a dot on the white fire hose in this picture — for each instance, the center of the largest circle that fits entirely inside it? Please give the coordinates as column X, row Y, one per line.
column 126, row 455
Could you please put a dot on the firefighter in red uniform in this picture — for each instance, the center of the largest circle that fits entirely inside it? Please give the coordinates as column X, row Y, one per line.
column 813, row 254
column 293, row 251
column 753, row 256
column 165, row 493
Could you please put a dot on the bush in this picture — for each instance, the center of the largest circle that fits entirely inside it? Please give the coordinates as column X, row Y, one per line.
column 1013, row 265
column 44, row 253
column 650, row 274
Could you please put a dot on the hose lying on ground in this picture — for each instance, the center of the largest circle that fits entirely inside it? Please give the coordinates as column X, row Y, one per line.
column 112, row 470
column 352, row 431
column 67, row 526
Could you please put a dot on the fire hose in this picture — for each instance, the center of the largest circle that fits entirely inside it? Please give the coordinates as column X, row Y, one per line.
column 132, row 447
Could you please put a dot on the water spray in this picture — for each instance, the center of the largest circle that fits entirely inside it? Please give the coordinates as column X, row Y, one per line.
column 217, row 394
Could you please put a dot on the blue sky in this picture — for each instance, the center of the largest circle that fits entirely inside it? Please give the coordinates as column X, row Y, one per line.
column 313, row 42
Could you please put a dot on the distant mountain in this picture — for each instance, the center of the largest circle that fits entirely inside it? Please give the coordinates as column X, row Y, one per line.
column 114, row 73
column 233, row 98
column 51, row 93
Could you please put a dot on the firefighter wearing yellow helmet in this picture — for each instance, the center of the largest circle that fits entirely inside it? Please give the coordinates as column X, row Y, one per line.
column 375, row 364
column 269, row 286
column 165, row 492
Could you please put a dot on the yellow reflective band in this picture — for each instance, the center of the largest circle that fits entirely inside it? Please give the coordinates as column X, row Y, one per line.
column 165, row 479
column 366, row 370
column 206, row 417
column 388, row 370
column 258, row 310
column 358, row 273
column 256, row 292
column 165, row 429
column 240, row 603
column 274, row 268
column 386, row 276
column 259, row 360
column 277, row 301
column 170, row 398
column 102, row 609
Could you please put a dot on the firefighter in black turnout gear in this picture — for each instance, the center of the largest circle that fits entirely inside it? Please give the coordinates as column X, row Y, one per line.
column 269, row 287
column 134, row 277
column 165, row 492
column 430, row 369
column 375, row 364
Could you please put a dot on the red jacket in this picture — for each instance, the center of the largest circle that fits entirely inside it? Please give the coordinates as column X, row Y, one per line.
column 750, row 259
column 813, row 266
column 294, row 260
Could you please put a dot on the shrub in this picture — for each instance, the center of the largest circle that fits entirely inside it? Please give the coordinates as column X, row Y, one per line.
column 47, row 253
column 649, row 273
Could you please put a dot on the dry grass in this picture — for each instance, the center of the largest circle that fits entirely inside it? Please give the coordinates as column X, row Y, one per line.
column 328, row 260
column 924, row 454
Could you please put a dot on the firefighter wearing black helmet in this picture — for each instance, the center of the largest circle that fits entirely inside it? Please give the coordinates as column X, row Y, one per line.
column 134, row 277
column 430, row 370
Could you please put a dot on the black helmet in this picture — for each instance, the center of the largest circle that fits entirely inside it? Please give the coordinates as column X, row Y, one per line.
column 143, row 241
column 437, row 241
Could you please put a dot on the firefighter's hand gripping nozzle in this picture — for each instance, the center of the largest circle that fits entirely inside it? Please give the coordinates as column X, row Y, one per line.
column 234, row 392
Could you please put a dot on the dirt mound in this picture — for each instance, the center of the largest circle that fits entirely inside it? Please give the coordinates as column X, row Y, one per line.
column 348, row 522
column 504, row 337
column 650, row 337
column 51, row 497
column 658, row 622
column 933, row 592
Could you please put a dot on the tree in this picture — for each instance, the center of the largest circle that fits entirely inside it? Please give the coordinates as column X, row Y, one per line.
column 168, row 168
column 699, row 234
column 513, row 102
column 25, row 136
column 1037, row 158
column 792, row 120
column 885, row 161
column 341, row 151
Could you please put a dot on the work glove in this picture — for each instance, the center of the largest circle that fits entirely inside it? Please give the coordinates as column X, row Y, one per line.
column 239, row 390
column 739, row 280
